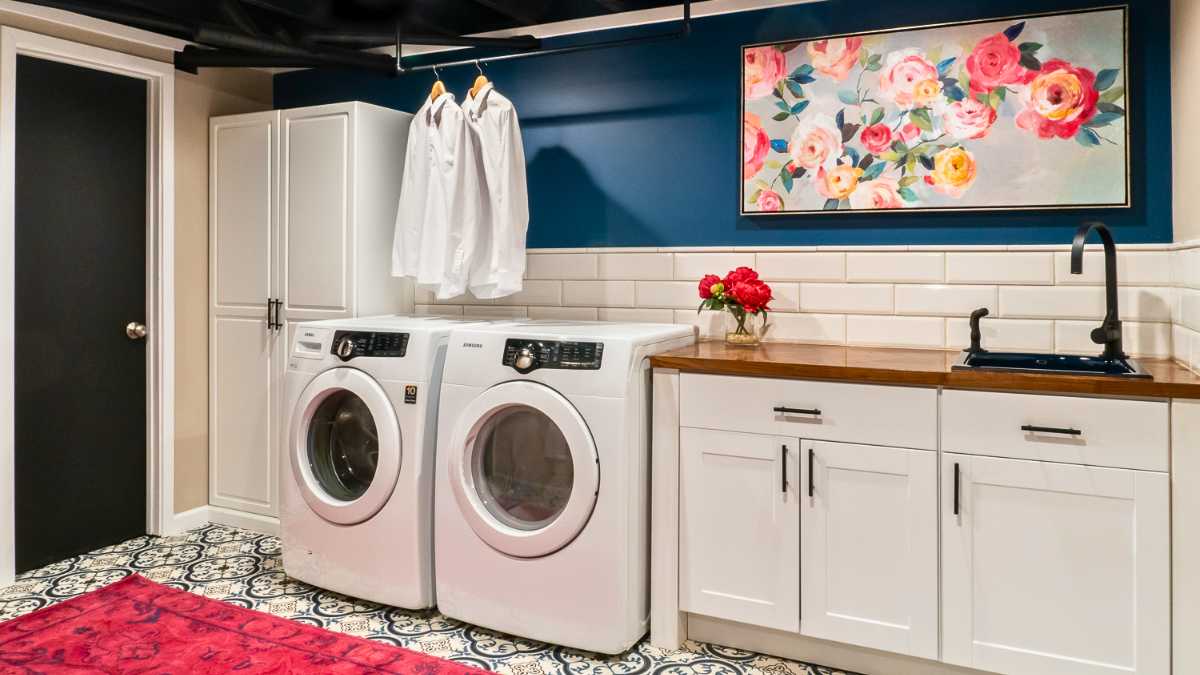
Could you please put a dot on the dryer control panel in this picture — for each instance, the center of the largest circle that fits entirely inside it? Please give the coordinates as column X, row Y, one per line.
column 350, row 344
column 528, row 355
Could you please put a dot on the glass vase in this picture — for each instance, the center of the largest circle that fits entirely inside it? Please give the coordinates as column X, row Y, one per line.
column 742, row 328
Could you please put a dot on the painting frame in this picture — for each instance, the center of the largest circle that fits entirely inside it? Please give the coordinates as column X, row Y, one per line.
column 1126, row 137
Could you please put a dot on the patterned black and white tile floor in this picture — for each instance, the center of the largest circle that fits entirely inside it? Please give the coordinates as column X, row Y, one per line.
column 244, row 568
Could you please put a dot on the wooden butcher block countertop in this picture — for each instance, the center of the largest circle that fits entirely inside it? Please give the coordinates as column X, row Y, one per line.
column 884, row 365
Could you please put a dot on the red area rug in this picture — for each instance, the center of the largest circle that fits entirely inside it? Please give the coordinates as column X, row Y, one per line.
column 138, row 626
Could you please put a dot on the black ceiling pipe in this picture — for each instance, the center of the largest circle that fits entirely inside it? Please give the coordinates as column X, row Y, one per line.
column 380, row 39
column 192, row 58
column 239, row 42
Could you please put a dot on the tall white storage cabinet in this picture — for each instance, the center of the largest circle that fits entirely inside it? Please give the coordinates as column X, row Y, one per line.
column 302, row 208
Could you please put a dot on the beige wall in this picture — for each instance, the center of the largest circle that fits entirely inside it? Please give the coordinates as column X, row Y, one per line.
column 213, row 92
column 1185, row 106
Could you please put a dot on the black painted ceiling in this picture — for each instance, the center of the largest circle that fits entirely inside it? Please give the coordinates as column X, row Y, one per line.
column 293, row 18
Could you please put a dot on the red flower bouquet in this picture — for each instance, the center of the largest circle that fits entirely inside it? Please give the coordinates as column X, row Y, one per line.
column 744, row 296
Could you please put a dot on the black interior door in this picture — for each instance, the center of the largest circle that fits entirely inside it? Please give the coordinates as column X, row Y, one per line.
column 81, row 204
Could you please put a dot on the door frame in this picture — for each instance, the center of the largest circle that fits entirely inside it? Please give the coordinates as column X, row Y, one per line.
column 160, row 269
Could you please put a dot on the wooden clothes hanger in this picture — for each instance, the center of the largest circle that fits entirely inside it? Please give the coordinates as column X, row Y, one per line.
column 480, row 80
column 438, row 88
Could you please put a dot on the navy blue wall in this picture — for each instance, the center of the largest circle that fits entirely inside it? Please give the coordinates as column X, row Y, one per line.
column 638, row 146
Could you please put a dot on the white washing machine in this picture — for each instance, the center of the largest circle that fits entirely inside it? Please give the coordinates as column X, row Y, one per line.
column 357, row 482
column 542, row 518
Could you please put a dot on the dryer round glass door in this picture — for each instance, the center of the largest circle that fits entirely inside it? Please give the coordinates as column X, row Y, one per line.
column 523, row 469
column 345, row 446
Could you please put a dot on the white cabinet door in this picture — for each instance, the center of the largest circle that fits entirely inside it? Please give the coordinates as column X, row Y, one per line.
column 740, row 527
column 243, row 416
column 317, row 212
column 869, row 546
column 242, row 155
column 1055, row 569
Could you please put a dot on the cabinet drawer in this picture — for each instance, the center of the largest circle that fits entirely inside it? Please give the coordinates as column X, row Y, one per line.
column 1070, row 429
column 849, row 413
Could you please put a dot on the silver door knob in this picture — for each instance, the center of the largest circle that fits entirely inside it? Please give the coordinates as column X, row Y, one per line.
column 135, row 330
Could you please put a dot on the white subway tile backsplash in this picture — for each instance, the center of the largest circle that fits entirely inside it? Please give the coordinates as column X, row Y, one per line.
column 898, row 296
column 1139, row 339
column 495, row 312
column 896, row 331
column 1189, row 308
column 1000, row 268
column 802, row 266
column 598, row 293
column 437, row 310
column 636, row 315
column 1134, row 268
column 693, row 266
column 1031, row 335
column 710, row 324
column 785, row 297
column 847, row 298
column 906, row 267
column 561, row 266
column 1057, row 302
column 675, row 294
column 824, row 328
column 535, row 292
column 944, row 300
column 563, row 313
column 654, row 266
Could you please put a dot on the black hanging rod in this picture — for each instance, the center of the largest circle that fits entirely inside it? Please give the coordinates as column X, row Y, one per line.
column 685, row 29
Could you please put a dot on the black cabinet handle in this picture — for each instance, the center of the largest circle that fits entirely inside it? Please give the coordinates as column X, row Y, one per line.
column 957, row 489
column 811, row 480
column 797, row 411
column 1051, row 430
column 278, row 313
column 783, row 453
column 270, row 314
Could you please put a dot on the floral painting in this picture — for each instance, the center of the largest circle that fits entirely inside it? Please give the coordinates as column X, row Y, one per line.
column 1025, row 113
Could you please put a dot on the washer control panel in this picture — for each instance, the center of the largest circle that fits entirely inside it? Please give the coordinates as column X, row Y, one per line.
column 350, row 344
column 528, row 355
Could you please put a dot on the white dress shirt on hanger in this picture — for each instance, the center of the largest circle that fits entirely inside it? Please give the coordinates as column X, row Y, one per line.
column 439, row 217
column 498, row 267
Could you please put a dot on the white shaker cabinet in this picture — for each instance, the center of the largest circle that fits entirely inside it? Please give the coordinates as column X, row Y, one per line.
column 302, row 208
column 740, row 527
column 1056, row 569
column 869, row 567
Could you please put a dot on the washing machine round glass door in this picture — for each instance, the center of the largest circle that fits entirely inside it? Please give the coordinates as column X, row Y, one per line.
column 345, row 446
column 523, row 469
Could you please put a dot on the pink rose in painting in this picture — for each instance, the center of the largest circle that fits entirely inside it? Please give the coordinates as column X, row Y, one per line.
column 910, row 132
column 836, row 57
column 764, row 68
column 755, row 145
column 994, row 62
column 816, row 142
column 909, row 79
column 968, row 118
column 769, row 201
column 876, row 138
column 881, row 193
column 1058, row 100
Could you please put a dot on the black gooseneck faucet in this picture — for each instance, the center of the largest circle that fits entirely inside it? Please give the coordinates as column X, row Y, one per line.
column 1109, row 332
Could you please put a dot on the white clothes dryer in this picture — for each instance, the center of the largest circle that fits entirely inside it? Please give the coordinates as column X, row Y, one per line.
column 542, row 498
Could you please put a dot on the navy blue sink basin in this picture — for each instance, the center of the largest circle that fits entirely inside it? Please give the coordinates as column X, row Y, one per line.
column 1062, row 364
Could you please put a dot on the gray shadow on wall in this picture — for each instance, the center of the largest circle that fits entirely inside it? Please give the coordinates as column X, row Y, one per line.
column 567, row 207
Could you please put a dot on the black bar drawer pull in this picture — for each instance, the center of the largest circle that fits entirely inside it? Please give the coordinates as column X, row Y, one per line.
column 783, row 453
column 1050, row 430
column 811, row 480
column 957, row 488
column 796, row 411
